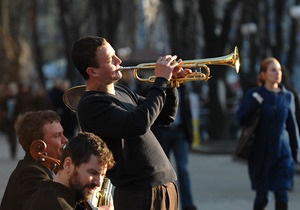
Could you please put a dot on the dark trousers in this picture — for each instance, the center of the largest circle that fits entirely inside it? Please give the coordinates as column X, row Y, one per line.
column 7, row 127
column 262, row 198
column 162, row 197
column 174, row 141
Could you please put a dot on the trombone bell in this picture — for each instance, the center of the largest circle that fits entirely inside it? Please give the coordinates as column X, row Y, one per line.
column 232, row 60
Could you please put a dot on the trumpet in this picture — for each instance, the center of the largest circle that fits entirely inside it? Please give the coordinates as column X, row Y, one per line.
column 231, row 60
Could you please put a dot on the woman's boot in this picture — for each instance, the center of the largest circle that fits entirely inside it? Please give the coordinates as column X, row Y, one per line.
column 258, row 208
column 281, row 206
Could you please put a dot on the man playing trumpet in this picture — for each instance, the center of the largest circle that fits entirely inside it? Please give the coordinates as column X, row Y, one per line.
column 123, row 119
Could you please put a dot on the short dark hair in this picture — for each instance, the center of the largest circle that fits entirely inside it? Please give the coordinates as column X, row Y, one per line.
column 29, row 126
column 81, row 147
column 83, row 53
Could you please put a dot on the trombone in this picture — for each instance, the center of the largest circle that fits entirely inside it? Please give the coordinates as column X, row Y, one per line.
column 231, row 60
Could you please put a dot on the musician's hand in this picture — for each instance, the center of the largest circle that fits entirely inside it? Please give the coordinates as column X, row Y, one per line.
column 165, row 66
column 106, row 208
column 179, row 72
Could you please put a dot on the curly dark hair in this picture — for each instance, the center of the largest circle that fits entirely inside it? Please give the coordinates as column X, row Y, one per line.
column 81, row 147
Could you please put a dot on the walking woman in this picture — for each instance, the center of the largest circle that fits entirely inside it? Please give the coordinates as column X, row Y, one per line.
column 276, row 144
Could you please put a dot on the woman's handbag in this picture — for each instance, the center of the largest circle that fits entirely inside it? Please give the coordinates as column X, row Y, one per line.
column 246, row 138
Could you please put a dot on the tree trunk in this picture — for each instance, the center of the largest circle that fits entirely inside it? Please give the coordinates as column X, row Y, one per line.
column 9, row 33
column 37, row 51
column 69, row 35
column 218, row 116
column 182, row 28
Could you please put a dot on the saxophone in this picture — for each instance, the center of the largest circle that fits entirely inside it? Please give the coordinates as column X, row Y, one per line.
column 101, row 196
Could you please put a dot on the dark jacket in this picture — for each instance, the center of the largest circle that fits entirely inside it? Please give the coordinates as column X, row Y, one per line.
column 185, row 113
column 185, row 124
column 23, row 182
column 51, row 196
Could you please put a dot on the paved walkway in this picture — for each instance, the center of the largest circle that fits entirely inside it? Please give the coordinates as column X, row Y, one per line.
column 218, row 181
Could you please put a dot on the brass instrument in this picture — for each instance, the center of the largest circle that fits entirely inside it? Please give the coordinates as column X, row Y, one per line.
column 88, row 205
column 232, row 60
column 37, row 151
column 102, row 196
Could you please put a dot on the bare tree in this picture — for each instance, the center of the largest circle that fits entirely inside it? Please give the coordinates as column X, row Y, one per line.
column 70, row 24
column 108, row 14
column 291, row 55
column 10, row 34
column 216, row 37
column 37, row 49
column 78, row 18
column 182, row 27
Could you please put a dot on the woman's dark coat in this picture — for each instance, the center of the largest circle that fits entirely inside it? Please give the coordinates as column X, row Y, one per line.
column 270, row 163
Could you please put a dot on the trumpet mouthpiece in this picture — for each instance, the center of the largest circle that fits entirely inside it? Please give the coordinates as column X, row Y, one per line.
column 122, row 68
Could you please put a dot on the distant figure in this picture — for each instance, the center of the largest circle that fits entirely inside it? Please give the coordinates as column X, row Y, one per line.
column 286, row 82
column 24, row 100
column 177, row 138
column 276, row 142
column 68, row 118
column 6, row 119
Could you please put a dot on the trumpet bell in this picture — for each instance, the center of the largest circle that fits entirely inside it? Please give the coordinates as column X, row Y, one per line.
column 232, row 60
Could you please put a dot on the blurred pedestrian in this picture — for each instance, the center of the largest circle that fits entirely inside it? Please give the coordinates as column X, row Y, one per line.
column 41, row 99
column 24, row 100
column 177, row 138
column 6, row 119
column 287, row 84
column 68, row 118
column 276, row 143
